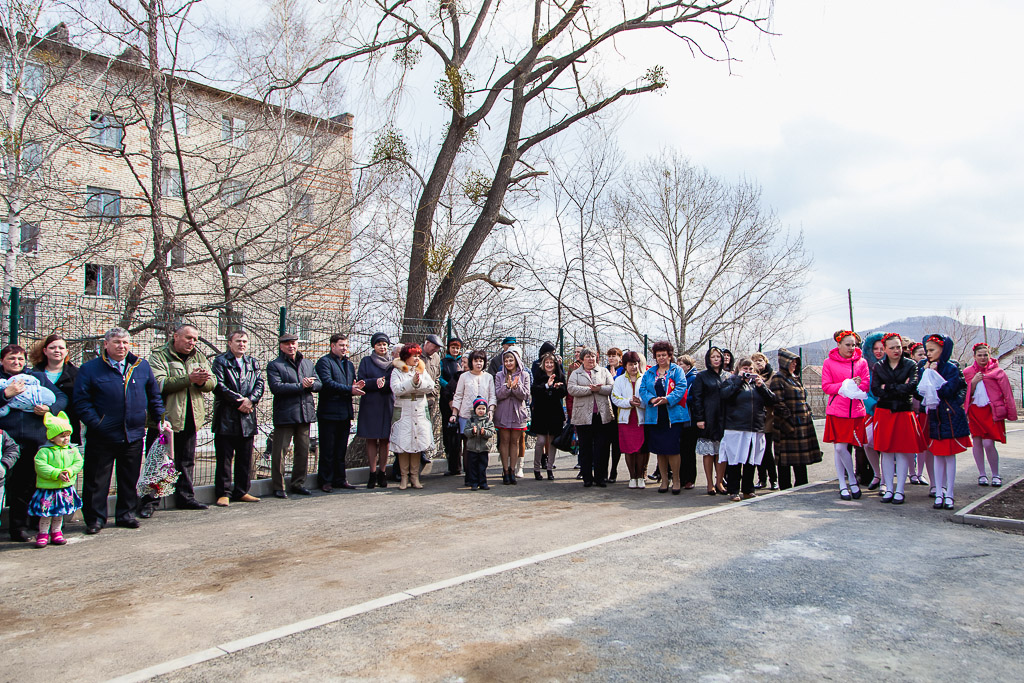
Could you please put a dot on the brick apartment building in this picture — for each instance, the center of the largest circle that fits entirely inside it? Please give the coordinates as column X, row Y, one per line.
column 249, row 213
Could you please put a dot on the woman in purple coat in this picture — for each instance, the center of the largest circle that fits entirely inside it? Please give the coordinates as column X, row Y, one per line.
column 512, row 387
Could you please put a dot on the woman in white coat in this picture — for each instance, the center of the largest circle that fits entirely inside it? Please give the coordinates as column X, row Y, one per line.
column 411, row 430
column 626, row 396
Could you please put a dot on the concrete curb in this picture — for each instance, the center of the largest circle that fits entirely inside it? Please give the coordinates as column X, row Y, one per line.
column 964, row 516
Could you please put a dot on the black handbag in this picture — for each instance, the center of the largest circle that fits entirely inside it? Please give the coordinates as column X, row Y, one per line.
column 564, row 441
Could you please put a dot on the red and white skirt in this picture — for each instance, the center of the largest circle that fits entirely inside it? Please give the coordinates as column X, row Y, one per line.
column 897, row 432
column 845, row 430
column 983, row 425
column 944, row 447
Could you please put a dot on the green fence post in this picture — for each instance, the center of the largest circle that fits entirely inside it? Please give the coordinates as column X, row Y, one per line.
column 15, row 314
column 561, row 348
column 709, row 344
column 760, row 347
column 800, row 375
column 282, row 322
column 646, row 358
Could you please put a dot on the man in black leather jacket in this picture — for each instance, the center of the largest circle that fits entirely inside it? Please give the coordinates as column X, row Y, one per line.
column 239, row 388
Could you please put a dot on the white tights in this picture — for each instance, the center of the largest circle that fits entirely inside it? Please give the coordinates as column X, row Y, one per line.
column 897, row 464
column 945, row 475
column 982, row 448
column 845, row 470
column 49, row 525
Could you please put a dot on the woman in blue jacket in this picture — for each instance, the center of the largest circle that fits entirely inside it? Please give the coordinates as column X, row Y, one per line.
column 663, row 392
column 948, row 430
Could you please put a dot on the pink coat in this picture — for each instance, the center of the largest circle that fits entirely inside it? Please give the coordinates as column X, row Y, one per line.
column 833, row 372
column 997, row 384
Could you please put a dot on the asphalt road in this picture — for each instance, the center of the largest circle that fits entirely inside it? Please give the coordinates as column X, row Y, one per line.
column 800, row 585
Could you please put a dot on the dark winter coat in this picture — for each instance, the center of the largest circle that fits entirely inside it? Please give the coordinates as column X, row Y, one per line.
column 535, row 370
column 769, row 410
column 948, row 419
column 449, row 377
column 900, row 384
column 66, row 383
column 546, row 413
column 293, row 403
column 378, row 405
column 337, row 376
column 744, row 404
column 113, row 407
column 796, row 441
column 28, row 427
column 230, row 390
column 705, row 402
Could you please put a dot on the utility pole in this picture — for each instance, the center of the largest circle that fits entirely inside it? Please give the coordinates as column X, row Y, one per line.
column 849, row 299
column 984, row 328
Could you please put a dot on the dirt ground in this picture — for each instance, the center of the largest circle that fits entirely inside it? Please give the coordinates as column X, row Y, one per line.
column 1009, row 504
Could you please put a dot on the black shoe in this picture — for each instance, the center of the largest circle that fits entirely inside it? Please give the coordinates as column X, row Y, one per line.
column 579, row 476
column 601, row 484
column 504, row 476
column 676, row 492
column 280, row 494
column 372, row 481
column 451, row 474
column 193, row 504
column 146, row 511
column 327, row 488
column 856, row 494
column 344, row 485
column 587, row 484
column 759, row 485
column 129, row 523
column 611, row 479
column 301, row 490
column 96, row 527
column 485, row 487
column 538, row 476
column 382, row 480
column 512, row 476
column 21, row 535
column 551, row 475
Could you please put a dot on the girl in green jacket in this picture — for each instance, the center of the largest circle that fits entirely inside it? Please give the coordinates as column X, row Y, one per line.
column 57, row 465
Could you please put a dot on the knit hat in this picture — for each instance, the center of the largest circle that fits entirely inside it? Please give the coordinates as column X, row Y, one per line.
column 479, row 401
column 508, row 340
column 56, row 424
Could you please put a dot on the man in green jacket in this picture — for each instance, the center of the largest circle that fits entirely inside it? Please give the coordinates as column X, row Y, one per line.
column 184, row 375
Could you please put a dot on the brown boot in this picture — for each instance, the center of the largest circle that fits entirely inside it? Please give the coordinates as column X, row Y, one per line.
column 414, row 470
column 403, row 464
column 223, row 502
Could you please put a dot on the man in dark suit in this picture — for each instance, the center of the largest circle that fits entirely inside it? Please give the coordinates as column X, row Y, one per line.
column 334, row 412
column 113, row 394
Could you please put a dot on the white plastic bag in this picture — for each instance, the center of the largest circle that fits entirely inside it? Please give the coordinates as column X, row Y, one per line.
column 928, row 387
column 158, row 473
column 850, row 390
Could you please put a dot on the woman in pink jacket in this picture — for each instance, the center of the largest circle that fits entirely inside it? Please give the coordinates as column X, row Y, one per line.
column 845, row 417
column 989, row 404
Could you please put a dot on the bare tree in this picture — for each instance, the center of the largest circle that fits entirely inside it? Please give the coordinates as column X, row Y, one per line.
column 963, row 326
column 533, row 83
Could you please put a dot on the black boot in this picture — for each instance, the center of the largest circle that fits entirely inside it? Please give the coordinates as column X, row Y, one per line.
column 537, row 475
column 551, row 475
column 372, row 481
column 511, row 475
column 382, row 479
column 504, row 476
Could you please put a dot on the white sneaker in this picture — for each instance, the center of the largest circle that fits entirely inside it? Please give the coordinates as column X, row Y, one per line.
column 519, row 471
column 632, row 483
column 640, row 484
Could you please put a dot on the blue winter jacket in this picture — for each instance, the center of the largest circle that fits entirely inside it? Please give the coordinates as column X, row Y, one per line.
column 114, row 407
column 948, row 419
column 677, row 410
column 869, row 356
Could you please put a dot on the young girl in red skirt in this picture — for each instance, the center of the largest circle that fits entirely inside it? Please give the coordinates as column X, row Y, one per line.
column 896, row 430
column 989, row 404
column 948, row 431
column 844, row 417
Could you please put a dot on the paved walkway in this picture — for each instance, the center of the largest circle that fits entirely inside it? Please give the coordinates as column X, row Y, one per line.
column 799, row 584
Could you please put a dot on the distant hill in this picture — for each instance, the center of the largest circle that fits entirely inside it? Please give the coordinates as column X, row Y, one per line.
column 964, row 336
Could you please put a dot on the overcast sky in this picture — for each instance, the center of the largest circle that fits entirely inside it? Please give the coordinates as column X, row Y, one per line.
column 891, row 133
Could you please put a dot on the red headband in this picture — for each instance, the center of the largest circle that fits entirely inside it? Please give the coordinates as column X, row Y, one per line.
column 914, row 347
column 978, row 346
column 891, row 335
column 843, row 334
column 937, row 339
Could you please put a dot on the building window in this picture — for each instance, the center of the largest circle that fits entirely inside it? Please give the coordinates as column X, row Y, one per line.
column 103, row 203
column 232, row 131
column 226, row 324
column 31, row 157
column 180, row 118
column 28, row 315
column 235, row 261
column 303, row 208
column 302, row 149
column 233, row 193
column 28, row 238
column 33, row 79
column 176, row 256
column 171, row 184
column 100, row 280
column 301, row 326
column 106, row 130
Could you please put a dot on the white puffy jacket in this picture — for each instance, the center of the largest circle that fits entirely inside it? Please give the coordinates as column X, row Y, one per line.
column 411, row 430
column 622, row 391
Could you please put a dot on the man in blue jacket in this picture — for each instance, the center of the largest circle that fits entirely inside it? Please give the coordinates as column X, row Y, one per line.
column 334, row 413
column 113, row 394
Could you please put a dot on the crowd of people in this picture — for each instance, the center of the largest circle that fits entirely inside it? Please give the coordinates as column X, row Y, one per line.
column 900, row 406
